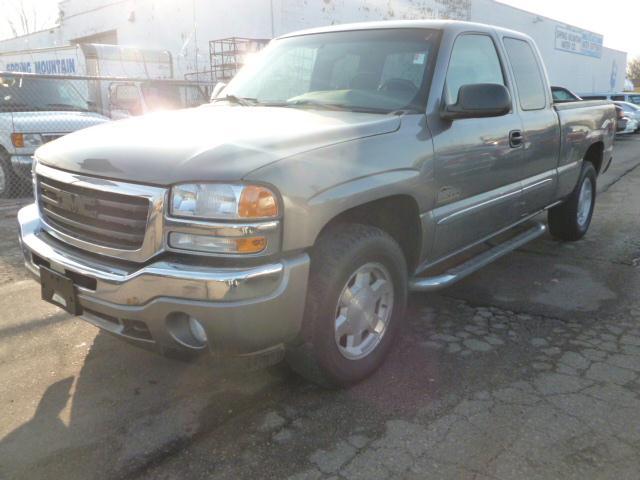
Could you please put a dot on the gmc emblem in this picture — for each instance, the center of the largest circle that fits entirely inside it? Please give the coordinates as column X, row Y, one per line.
column 74, row 203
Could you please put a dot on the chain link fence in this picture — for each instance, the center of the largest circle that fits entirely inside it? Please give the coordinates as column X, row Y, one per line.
column 37, row 109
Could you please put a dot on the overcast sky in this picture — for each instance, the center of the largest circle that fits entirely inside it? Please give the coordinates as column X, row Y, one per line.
column 617, row 20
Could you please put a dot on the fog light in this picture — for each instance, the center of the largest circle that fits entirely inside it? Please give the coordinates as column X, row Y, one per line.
column 197, row 330
column 187, row 330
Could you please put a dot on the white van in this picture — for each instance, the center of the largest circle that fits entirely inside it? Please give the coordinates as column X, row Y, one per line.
column 140, row 80
column 34, row 111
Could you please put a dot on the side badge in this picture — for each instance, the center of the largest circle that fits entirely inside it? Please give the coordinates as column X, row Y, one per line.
column 447, row 195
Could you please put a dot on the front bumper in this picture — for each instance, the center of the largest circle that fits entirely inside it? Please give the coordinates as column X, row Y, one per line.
column 243, row 310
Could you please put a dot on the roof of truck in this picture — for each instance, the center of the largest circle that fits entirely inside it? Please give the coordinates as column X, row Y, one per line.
column 455, row 25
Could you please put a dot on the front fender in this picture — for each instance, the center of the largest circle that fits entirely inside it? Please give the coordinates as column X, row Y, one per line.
column 327, row 205
column 319, row 185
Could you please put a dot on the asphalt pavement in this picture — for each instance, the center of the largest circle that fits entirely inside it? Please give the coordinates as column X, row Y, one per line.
column 527, row 369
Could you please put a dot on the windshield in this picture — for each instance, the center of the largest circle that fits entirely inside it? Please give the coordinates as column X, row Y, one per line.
column 171, row 97
column 368, row 70
column 24, row 94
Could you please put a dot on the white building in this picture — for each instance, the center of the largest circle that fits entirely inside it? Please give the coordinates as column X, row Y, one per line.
column 575, row 58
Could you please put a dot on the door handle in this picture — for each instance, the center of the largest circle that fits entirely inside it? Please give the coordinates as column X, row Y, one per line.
column 516, row 139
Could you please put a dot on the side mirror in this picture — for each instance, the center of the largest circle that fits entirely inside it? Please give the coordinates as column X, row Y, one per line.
column 120, row 114
column 217, row 90
column 125, row 97
column 479, row 100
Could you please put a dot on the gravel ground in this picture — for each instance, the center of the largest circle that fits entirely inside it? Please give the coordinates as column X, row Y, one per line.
column 11, row 265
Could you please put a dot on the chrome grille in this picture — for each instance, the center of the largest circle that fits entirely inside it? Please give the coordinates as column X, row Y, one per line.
column 103, row 218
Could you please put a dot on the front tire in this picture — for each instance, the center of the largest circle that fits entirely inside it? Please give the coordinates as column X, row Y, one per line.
column 356, row 299
column 570, row 221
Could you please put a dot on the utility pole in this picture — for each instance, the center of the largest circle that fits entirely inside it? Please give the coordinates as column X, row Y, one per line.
column 195, row 38
column 273, row 30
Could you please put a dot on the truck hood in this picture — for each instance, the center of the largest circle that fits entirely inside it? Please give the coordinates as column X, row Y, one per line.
column 54, row 122
column 212, row 142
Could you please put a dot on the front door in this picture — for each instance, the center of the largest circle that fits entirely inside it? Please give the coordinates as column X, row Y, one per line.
column 477, row 160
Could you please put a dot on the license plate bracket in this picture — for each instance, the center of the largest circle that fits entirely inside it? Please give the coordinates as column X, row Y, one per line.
column 59, row 290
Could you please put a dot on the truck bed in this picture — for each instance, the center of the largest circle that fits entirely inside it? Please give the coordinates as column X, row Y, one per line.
column 580, row 124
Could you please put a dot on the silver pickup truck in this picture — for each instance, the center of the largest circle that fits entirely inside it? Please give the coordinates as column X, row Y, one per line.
column 290, row 218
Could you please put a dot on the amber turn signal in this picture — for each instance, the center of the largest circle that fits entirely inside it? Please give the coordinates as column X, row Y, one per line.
column 17, row 139
column 251, row 245
column 257, row 202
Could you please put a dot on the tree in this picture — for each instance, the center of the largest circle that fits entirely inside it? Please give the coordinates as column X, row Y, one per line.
column 22, row 17
column 633, row 71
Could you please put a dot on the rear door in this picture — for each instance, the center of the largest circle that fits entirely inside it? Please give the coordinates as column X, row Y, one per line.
column 541, row 127
column 477, row 168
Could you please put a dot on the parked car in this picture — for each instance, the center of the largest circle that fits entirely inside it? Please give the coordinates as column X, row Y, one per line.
column 34, row 111
column 563, row 95
column 631, row 97
column 631, row 126
column 338, row 171
column 621, row 120
column 632, row 111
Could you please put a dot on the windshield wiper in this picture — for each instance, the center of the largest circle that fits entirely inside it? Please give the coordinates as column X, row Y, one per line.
column 403, row 111
column 314, row 103
column 335, row 106
column 244, row 101
column 66, row 106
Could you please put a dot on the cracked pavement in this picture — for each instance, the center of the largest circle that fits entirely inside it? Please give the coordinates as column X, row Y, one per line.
column 528, row 369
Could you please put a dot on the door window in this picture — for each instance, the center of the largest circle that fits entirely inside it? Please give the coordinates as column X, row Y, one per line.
column 474, row 60
column 527, row 74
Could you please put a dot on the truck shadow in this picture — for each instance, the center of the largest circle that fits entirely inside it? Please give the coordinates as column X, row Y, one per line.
column 129, row 410
column 124, row 405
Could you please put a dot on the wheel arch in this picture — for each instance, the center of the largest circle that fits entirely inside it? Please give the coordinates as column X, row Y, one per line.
column 595, row 155
column 396, row 214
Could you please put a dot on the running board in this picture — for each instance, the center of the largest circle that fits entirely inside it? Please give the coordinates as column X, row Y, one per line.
column 429, row 284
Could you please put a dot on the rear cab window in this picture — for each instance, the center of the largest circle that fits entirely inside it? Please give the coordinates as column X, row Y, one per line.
column 561, row 95
column 527, row 74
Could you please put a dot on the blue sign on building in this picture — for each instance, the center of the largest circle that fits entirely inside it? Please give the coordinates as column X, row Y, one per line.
column 575, row 40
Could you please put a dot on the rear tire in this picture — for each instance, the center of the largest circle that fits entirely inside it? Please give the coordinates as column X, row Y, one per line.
column 8, row 178
column 570, row 220
column 356, row 299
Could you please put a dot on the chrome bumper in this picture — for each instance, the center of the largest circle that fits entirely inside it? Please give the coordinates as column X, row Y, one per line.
column 242, row 309
column 22, row 161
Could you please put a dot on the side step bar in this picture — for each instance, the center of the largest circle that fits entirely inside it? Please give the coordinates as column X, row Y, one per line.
column 429, row 284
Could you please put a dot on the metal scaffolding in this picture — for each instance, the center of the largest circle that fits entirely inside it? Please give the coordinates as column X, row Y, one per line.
column 227, row 55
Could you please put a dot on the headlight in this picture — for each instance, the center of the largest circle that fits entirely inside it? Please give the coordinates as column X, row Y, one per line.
column 217, row 201
column 22, row 140
column 255, row 209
